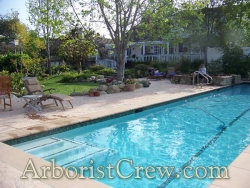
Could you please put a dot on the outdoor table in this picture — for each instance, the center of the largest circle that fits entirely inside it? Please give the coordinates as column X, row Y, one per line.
column 32, row 102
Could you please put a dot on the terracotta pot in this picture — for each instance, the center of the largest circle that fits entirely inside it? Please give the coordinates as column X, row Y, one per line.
column 91, row 93
column 97, row 93
column 131, row 87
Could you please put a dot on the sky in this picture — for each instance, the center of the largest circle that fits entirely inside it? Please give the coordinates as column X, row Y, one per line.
column 16, row 5
column 19, row 5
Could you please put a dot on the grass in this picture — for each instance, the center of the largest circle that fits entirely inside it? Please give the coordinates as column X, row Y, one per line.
column 66, row 87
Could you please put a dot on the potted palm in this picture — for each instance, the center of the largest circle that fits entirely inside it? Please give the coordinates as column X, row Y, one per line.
column 130, row 84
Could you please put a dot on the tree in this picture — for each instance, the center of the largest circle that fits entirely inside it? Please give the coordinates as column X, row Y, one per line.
column 120, row 18
column 76, row 49
column 217, row 23
column 33, row 44
column 50, row 18
column 8, row 26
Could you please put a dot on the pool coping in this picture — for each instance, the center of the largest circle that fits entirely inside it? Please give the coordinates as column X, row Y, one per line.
column 34, row 131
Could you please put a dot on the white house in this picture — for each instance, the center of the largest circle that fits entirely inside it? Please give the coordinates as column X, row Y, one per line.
column 161, row 51
column 150, row 51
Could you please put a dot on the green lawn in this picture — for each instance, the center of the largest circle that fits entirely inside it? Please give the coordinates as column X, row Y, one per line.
column 66, row 87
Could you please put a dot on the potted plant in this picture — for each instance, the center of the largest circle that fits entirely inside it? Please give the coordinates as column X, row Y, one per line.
column 130, row 84
column 97, row 93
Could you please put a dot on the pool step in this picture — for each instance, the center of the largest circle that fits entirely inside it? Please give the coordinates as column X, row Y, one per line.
column 65, row 152
column 25, row 146
column 53, row 148
column 74, row 154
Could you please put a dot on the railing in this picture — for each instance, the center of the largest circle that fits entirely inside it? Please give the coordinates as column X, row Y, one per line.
column 109, row 63
column 167, row 57
column 206, row 76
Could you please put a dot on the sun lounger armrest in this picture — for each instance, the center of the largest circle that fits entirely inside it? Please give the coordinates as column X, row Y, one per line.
column 36, row 92
column 50, row 89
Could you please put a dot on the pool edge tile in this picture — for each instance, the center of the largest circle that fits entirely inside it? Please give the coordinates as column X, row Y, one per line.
column 237, row 168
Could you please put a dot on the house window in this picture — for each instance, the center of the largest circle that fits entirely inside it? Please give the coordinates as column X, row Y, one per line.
column 147, row 49
column 171, row 49
column 182, row 48
column 157, row 50
column 128, row 52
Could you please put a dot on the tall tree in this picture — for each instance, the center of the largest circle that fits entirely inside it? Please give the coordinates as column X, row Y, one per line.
column 50, row 18
column 216, row 23
column 11, row 28
column 120, row 18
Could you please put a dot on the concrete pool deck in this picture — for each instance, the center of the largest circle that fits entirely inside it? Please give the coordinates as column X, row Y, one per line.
column 18, row 123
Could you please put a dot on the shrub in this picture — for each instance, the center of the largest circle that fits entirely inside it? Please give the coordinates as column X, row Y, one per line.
column 96, row 68
column 60, row 69
column 85, row 75
column 134, row 63
column 67, row 77
column 4, row 73
column 129, row 73
column 234, row 61
column 185, row 66
column 196, row 64
column 161, row 66
column 215, row 67
column 106, row 71
column 10, row 62
column 16, row 82
column 70, row 76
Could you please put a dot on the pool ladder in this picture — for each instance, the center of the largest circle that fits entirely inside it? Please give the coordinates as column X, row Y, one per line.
column 206, row 76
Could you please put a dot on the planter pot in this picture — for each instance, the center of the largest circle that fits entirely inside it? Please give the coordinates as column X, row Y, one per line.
column 97, row 93
column 131, row 87
column 91, row 93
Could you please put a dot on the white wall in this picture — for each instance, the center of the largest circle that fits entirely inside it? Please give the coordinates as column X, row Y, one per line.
column 136, row 49
column 246, row 50
column 213, row 54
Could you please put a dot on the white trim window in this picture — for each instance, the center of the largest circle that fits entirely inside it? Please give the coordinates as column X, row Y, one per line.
column 157, row 50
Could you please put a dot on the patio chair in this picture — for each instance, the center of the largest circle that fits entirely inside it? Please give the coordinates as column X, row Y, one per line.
column 33, row 88
column 5, row 82
column 171, row 72
column 155, row 74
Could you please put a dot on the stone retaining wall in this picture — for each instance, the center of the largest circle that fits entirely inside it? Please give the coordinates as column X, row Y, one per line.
column 217, row 80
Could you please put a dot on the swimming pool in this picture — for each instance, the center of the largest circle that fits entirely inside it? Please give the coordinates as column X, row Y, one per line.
column 211, row 129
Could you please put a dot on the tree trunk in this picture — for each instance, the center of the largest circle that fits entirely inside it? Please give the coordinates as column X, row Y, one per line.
column 120, row 69
column 79, row 67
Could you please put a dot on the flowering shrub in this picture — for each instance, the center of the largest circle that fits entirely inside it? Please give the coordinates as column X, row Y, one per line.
column 109, row 80
column 130, row 81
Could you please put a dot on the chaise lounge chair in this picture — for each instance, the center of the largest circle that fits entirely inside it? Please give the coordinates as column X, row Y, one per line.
column 33, row 88
column 155, row 74
column 5, row 82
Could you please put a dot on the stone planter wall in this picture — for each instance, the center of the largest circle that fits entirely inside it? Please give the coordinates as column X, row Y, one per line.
column 217, row 80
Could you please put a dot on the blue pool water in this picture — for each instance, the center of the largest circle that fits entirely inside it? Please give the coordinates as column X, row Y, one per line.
column 207, row 130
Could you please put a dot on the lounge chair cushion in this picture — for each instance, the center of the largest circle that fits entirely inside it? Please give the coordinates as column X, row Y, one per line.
column 32, row 81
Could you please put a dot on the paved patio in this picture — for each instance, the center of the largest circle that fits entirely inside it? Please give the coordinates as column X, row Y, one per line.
column 19, row 123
